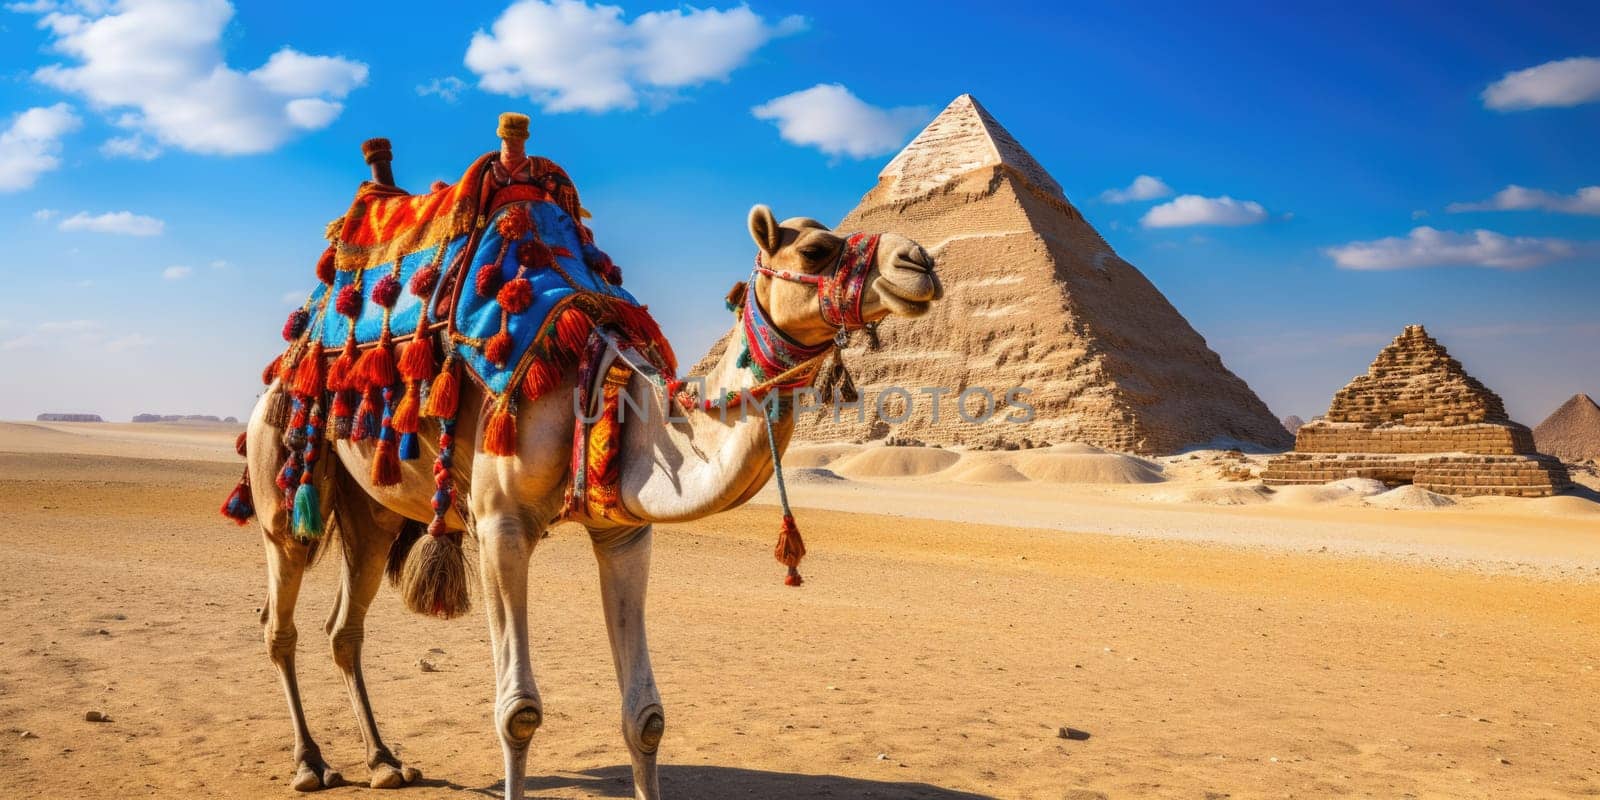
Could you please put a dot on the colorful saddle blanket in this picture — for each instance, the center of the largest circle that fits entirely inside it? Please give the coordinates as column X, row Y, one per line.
column 497, row 270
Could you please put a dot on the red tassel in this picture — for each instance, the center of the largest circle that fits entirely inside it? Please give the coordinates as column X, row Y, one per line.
column 386, row 464
column 791, row 548
column 238, row 444
column 500, row 437
column 386, row 291
column 516, row 296
column 239, row 506
column 309, row 374
column 416, row 360
column 376, row 367
column 325, row 266
column 572, row 330
column 442, row 399
column 541, row 378
column 407, row 413
column 270, row 374
column 341, row 401
column 498, row 349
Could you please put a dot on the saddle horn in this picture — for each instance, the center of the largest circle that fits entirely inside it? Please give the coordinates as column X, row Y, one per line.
column 513, row 133
column 378, row 154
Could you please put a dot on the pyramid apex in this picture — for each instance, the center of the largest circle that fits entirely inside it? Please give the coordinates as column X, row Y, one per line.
column 962, row 138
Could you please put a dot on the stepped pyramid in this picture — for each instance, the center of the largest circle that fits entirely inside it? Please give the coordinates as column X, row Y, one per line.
column 1418, row 417
column 1571, row 432
column 1034, row 298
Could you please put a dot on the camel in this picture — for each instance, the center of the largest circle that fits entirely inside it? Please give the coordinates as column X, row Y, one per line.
column 674, row 471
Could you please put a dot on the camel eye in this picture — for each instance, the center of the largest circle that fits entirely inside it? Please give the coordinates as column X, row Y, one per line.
column 814, row 252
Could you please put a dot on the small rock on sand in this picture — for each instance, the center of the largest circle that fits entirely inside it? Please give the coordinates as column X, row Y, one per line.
column 426, row 665
column 29, row 735
column 1073, row 734
column 96, row 716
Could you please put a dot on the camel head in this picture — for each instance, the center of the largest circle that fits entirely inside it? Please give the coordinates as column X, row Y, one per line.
column 805, row 270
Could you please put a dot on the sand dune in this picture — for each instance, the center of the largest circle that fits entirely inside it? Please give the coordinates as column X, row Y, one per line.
column 1070, row 467
column 895, row 462
column 1413, row 498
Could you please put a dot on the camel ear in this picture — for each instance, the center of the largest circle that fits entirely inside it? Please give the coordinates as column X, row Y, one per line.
column 764, row 229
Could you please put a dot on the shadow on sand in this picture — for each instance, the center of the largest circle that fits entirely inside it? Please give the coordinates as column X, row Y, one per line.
column 713, row 783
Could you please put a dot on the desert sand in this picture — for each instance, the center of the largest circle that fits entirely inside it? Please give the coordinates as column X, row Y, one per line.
column 1061, row 624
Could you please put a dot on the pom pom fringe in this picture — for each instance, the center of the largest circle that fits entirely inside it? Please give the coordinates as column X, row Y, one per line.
column 307, row 513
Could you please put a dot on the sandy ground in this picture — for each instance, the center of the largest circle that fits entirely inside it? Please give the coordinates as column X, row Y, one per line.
column 928, row 655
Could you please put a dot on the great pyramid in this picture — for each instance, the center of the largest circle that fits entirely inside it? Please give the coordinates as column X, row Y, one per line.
column 1035, row 298
column 1571, row 432
column 1418, row 417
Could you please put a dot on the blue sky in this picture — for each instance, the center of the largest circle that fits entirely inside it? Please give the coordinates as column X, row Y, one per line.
column 220, row 139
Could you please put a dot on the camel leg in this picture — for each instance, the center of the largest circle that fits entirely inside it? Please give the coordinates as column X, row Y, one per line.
column 366, row 531
column 286, row 563
column 505, row 541
column 624, row 558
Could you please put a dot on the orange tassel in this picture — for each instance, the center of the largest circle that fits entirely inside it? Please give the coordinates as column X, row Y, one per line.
column 791, row 548
column 308, row 375
column 286, row 368
column 271, row 372
column 541, row 378
column 416, row 360
column 341, row 375
column 407, row 412
column 442, row 398
column 500, row 436
column 376, row 367
column 238, row 444
column 498, row 349
column 386, row 464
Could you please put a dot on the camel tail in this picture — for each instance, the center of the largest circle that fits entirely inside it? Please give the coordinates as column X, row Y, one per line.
column 431, row 572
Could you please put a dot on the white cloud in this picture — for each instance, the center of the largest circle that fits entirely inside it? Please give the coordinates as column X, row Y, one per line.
column 567, row 55
column 1192, row 209
column 176, row 273
column 448, row 88
column 160, row 65
column 220, row 264
column 1553, row 84
column 135, row 147
column 1520, row 198
column 1428, row 247
column 1419, row 213
column 828, row 117
column 45, row 214
column 1144, row 187
column 31, row 146
column 126, row 223
column 69, row 326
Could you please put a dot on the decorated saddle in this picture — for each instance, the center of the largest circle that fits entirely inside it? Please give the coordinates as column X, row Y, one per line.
column 494, row 278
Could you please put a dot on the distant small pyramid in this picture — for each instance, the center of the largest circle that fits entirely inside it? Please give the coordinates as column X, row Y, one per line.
column 1034, row 298
column 1418, row 417
column 1571, row 432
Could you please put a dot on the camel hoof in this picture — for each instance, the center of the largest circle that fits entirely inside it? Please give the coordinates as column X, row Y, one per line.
column 411, row 774
column 385, row 776
column 311, row 777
